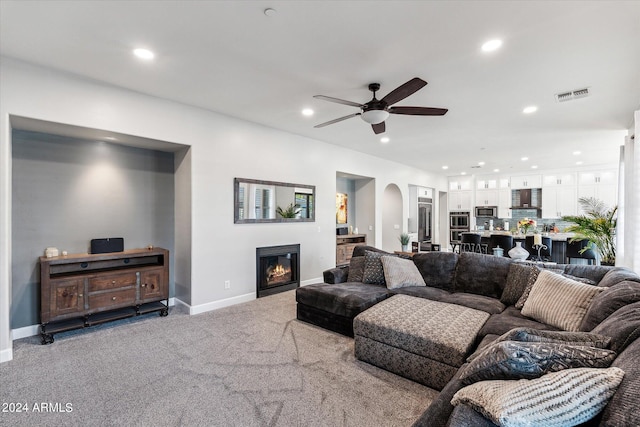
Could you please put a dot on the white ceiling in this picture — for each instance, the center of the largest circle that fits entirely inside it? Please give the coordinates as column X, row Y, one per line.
column 229, row 57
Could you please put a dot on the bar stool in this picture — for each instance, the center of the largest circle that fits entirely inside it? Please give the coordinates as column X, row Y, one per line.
column 545, row 254
column 574, row 248
column 499, row 240
column 470, row 242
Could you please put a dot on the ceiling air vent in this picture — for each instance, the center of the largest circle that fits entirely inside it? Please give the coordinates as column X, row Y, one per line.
column 574, row 94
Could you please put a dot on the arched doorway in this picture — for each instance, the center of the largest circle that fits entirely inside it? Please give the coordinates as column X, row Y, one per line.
column 391, row 218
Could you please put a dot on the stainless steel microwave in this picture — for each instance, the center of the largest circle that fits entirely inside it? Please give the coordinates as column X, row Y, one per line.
column 486, row 211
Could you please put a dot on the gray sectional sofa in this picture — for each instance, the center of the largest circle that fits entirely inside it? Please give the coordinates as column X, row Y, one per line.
column 503, row 289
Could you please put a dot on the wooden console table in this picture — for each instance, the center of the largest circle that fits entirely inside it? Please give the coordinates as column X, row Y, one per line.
column 345, row 245
column 82, row 290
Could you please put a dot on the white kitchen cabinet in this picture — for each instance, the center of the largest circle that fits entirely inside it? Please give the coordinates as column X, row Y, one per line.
column 504, row 203
column 460, row 200
column 559, row 201
column 486, row 183
column 559, row 179
column 602, row 185
column 461, row 184
column 526, row 181
column 486, row 197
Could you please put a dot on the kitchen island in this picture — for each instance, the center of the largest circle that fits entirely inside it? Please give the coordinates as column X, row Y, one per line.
column 559, row 242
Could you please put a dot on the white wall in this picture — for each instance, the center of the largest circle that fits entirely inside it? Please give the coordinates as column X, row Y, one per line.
column 221, row 148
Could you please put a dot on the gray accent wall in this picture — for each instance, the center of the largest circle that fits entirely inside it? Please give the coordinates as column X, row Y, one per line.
column 67, row 192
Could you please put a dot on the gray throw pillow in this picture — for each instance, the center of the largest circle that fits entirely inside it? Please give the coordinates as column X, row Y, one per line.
column 399, row 272
column 507, row 360
column 568, row 397
column 356, row 269
column 373, row 271
column 558, row 301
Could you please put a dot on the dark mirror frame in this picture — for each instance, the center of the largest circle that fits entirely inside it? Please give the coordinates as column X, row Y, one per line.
column 237, row 204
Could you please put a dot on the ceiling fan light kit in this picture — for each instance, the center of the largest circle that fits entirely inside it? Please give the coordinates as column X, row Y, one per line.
column 373, row 117
column 375, row 112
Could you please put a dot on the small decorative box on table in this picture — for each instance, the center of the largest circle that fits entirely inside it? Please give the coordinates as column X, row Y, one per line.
column 82, row 290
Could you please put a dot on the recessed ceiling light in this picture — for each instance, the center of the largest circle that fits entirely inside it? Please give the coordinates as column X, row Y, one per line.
column 144, row 53
column 496, row 170
column 577, row 153
column 579, row 163
column 480, row 163
column 534, row 167
column 491, row 45
column 463, row 173
column 445, row 167
column 307, row 112
column 524, row 159
column 530, row 109
column 384, row 139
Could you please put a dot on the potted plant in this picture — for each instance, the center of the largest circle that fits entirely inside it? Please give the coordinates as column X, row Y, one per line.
column 404, row 241
column 291, row 211
column 598, row 226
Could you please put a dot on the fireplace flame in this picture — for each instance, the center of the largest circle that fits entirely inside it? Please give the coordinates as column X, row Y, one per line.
column 278, row 273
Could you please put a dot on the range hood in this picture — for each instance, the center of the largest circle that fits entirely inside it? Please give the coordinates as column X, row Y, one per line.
column 527, row 198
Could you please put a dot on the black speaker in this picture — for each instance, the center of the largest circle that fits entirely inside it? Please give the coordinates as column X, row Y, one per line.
column 110, row 244
column 341, row 231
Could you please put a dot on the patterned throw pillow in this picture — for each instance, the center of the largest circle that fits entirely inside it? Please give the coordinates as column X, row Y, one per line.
column 568, row 397
column 558, row 301
column 373, row 272
column 574, row 338
column 399, row 273
column 517, row 280
column 356, row 269
column 507, row 360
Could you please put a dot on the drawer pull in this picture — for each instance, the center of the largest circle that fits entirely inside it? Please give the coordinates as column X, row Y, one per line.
column 144, row 285
column 113, row 298
column 113, row 282
column 80, row 295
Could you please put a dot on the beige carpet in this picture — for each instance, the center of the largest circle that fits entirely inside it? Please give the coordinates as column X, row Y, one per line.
column 252, row 364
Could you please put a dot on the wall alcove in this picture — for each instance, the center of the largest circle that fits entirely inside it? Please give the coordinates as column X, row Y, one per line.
column 71, row 184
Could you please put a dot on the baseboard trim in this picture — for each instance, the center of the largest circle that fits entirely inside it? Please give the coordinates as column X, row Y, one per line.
column 31, row 330
column 215, row 305
column 6, row 355
column 312, row 281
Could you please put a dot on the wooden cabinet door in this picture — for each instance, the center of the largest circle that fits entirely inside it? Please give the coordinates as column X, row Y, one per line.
column 152, row 285
column 67, row 297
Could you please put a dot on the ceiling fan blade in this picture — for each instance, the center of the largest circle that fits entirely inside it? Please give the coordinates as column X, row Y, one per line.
column 401, row 92
column 338, row 100
column 330, row 122
column 419, row 111
column 379, row 128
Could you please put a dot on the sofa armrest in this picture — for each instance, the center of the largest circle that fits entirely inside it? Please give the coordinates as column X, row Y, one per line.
column 336, row 275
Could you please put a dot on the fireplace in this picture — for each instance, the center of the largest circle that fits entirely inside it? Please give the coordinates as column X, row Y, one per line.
column 277, row 269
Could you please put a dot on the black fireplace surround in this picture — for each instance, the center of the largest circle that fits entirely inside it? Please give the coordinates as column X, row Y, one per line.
column 277, row 269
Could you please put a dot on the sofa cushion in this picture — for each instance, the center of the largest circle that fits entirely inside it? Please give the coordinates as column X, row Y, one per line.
column 624, row 407
column 356, row 269
column 559, row 301
column 437, row 268
column 517, row 279
column 623, row 327
column 591, row 272
column 344, row 299
column 506, row 360
column 510, row 318
column 479, row 302
column 400, row 273
column 567, row 397
column 427, row 292
column 608, row 301
column 481, row 274
column 466, row 416
column 616, row 275
column 373, row 273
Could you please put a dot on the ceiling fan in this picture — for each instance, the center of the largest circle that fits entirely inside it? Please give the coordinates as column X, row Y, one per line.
column 375, row 112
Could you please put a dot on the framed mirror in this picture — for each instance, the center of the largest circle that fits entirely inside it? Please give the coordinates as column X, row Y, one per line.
column 269, row 201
